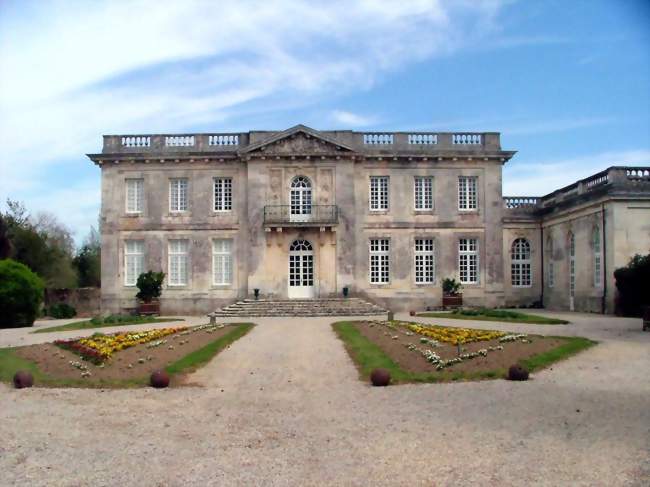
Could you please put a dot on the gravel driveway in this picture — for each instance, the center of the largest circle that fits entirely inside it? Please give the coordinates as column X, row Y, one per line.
column 284, row 406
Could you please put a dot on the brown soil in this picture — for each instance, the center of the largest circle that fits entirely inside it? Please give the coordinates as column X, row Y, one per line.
column 54, row 361
column 413, row 361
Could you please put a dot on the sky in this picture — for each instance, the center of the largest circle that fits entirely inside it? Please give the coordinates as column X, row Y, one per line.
column 567, row 83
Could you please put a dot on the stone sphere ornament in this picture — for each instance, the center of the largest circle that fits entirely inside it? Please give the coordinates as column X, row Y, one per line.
column 380, row 377
column 23, row 379
column 159, row 379
column 517, row 372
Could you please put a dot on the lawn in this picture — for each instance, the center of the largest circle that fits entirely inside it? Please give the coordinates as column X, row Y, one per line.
column 500, row 315
column 128, row 360
column 408, row 354
column 99, row 322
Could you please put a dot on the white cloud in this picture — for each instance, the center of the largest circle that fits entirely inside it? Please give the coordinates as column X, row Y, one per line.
column 350, row 119
column 542, row 177
column 73, row 70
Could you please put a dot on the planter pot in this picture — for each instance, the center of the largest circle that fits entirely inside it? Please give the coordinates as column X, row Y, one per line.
column 152, row 308
column 452, row 299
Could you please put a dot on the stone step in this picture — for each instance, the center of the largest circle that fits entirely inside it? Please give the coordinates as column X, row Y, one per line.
column 299, row 307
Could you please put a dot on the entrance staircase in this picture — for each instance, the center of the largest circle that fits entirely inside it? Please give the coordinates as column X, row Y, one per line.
column 300, row 307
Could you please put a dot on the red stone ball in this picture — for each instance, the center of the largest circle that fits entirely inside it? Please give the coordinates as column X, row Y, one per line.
column 380, row 377
column 159, row 379
column 517, row 372
column 23, row 379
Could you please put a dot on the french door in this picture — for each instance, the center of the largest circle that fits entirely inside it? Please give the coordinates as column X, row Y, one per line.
column 301, row 270
column 300, row 199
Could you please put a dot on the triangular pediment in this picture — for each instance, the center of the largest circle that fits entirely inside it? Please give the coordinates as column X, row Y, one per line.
column 299, row 140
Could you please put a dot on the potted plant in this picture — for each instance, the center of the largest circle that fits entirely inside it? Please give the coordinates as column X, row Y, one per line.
column 150, row 287
column 451, row 295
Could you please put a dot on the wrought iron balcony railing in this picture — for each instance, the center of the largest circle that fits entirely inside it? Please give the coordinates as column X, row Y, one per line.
column 288, row 215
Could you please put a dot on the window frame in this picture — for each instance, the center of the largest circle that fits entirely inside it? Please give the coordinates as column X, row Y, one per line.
column 424, row 253
column 127, row 254
column 226, row 183
column 229, row 262
column 466, row 193
column 551, row 262
column 379, row 194
column 383, row 260
column 172, row 182
column 469, row 254
column 139, row 196
column 521, row 260
column 423, row 192
column 170, row 255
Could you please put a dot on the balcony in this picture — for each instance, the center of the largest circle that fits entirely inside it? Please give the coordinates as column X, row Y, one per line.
column 310, row 216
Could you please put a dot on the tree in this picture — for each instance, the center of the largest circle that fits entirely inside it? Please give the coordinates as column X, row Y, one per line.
column 632, row 285
column 42, row 244
column 87, row 262
column 5, row 243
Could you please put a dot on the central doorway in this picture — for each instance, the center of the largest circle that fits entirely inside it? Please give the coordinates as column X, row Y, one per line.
column 301, row 270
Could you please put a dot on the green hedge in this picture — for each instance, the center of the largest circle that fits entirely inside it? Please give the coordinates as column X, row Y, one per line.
column 21, row 294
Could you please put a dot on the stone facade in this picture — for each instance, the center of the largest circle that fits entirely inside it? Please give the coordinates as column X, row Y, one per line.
column 303, row 213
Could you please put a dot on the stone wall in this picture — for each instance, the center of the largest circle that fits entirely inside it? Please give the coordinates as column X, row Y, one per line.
column 86, row 300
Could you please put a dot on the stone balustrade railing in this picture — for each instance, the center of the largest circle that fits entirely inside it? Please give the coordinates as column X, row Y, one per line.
column 520, row 201
column 372, row 142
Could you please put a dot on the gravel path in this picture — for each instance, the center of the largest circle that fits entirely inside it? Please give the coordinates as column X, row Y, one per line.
column 283, row 406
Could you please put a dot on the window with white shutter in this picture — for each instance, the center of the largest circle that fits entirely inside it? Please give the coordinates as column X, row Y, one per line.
column 178, row 195
column 468, row 260
column 222, row 194
column 378, row 193
column 133, row 261
column 379, row 260
column 222, row 264
column 467, row 193
column 134, row 195
column 423, row 192
column 425, row 268
column 178, row 262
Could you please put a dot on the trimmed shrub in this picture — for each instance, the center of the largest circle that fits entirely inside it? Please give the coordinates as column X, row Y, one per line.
column 21, row 293
column 517, row 372
column 380, row 377
column 632, row 285
column 150, row 285
column 61, row 311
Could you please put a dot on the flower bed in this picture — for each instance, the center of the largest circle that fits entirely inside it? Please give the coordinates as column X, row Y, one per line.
column 454, row 336
column 99, row 347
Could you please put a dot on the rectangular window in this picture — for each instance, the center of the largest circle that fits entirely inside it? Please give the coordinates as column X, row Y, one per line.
column 423, row 193
column 425, row 269
column 134, row 195
column 178, row 262
column 468, row 260
column 178, row 195
column 133, row 261
column 597, row 256
column 379, row 261
column 222, row 194
column 551, row 274
column 378, row 193
column 467, row 193
column 221, row 262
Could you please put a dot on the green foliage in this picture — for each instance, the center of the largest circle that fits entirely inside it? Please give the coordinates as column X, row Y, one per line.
column 150, row 285
column 61, row 311
column 485, row 314
column 203, row 355
column 451, row 286
column 87, row 262
column 42, row 244
column 5, row 243
column 21, row 293
column 632, row 282
column 99, row 322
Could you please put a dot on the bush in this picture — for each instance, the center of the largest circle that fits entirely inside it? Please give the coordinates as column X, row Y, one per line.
column 451, row 286
column 21, row 293
column 150, row 285
column 61, row 311
column 632, row 285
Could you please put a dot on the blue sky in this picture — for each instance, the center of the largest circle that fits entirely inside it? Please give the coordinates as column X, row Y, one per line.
column 566, row 83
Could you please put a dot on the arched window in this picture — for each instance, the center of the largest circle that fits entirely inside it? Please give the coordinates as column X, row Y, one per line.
column 551, row 261
column 520, row 263
column 595, row 239
column 572, row 266
column 300, row 199
column 300, row 245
